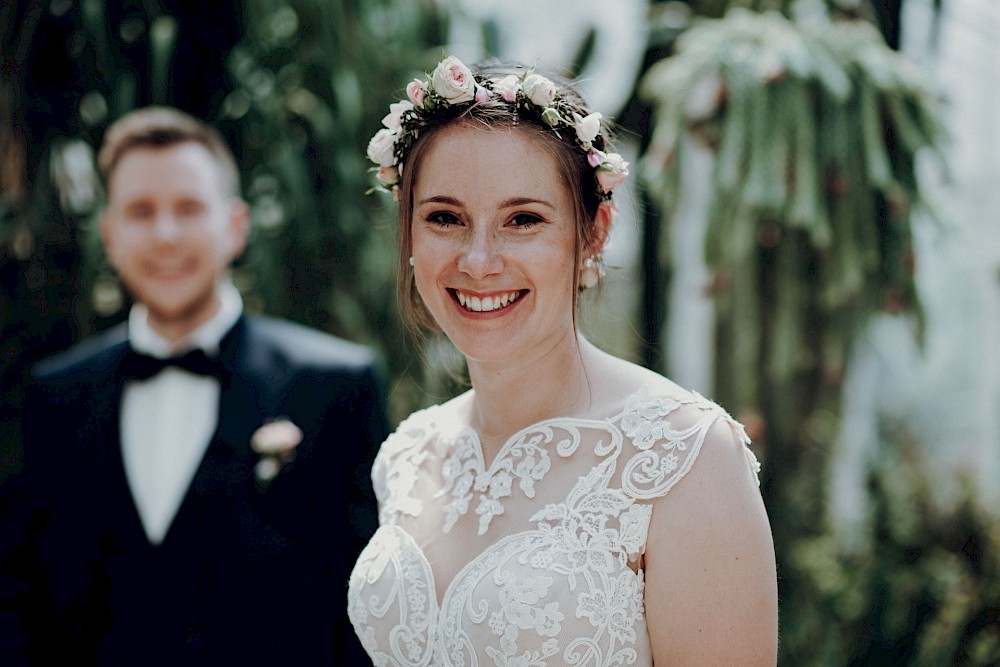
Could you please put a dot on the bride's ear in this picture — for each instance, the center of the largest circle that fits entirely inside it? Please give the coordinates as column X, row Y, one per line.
column 602, row 226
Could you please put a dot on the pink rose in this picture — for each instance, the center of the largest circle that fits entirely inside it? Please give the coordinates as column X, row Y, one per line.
column 453, row 81
column 415, row 91
column 387, row 176
column 612, row 172
column 507, row 88
column 595, row 157
column 482, row 95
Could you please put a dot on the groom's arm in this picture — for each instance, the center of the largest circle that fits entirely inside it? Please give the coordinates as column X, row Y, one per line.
column 351, row 438
column 26, row 621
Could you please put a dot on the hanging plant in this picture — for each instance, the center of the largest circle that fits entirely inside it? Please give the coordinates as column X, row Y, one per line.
column 815, row 132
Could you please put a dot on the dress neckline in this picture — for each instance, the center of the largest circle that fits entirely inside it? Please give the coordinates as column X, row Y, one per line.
column 452, row 432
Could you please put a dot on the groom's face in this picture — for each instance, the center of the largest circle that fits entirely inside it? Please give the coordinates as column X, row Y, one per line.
column 171, row 230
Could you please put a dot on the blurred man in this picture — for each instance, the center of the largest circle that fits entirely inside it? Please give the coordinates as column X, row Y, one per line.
column 197, row 478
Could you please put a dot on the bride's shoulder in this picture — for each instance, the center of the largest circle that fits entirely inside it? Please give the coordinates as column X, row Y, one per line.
column 630, row 388
column 671, row 428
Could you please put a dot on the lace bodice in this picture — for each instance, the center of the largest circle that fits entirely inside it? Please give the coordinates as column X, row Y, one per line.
column 534, row 559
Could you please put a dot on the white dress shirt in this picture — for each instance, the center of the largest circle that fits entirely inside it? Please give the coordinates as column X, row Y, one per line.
column 168, row 421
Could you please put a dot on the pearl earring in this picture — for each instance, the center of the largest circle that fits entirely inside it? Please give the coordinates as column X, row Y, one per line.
column 412, row 263
column 592, row 271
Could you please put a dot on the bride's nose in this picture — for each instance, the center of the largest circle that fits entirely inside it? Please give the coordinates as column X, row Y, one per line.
column 481, row 255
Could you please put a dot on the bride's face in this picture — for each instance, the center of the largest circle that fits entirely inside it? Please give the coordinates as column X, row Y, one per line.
column 494, row 243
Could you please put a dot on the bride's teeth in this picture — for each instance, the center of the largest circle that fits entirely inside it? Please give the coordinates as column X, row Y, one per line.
column 486, row 303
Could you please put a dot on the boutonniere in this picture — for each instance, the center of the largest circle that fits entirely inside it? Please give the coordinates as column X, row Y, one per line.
column 275, row 441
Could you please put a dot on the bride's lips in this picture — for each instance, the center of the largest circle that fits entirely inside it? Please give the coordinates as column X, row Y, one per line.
column 493, row 303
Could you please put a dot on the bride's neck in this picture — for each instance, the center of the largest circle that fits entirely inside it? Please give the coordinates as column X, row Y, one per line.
column 508, row 397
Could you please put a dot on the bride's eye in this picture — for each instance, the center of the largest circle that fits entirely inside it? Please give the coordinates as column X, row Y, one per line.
column 525, row 220
column 443, row 219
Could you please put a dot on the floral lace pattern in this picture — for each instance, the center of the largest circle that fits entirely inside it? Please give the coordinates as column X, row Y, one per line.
column 565, row 585
column 525, row 458
column 392, row 549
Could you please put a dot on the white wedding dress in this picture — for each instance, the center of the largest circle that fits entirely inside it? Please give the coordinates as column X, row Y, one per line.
column 534, row 560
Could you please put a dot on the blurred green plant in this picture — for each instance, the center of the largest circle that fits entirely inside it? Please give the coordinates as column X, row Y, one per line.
column 815, row 131
column 306, row 87
column 311, row 79
column 923, row 591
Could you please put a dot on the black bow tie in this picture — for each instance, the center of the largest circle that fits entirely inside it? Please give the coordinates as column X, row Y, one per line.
column 138, row 366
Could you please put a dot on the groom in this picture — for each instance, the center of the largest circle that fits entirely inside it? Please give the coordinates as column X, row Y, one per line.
column 197, row 478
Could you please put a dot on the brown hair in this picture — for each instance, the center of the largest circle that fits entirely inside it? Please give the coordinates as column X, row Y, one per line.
column 157, row 126
column 572, row 163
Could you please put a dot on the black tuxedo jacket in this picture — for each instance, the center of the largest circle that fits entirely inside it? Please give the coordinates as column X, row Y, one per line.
column 247, row 574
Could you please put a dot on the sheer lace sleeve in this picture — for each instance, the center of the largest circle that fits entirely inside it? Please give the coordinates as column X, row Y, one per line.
column 666, row 435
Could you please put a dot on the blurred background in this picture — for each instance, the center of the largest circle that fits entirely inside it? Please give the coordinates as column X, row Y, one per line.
column 811, row 239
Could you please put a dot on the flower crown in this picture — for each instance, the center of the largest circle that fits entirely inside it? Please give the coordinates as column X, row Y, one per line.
column 453, row 85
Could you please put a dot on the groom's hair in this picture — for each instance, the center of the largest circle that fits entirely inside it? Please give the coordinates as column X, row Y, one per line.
column 159, row 126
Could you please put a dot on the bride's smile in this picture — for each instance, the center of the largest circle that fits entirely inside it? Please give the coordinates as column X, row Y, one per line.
column 486, row 303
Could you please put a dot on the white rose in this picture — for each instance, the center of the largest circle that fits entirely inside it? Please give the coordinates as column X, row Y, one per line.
column 507, row 87
column 381, row 146
column 539, row 90
column 394, row 119
column 279, row 437
column 551, row 117
column 453, row 81
column 587, row 128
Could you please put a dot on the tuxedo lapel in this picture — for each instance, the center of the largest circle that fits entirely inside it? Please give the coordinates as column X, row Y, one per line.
column 228, row 460
column 103, row 432
column 246, row 392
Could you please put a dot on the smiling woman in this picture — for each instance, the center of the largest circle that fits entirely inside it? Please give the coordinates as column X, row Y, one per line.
column 616, row 516
column 494, row 223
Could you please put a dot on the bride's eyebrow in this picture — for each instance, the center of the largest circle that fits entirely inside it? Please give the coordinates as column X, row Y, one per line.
column 523, row 201
column 507, row 203
column 440, row 199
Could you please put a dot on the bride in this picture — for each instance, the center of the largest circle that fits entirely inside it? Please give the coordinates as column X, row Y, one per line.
column 571, row 508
